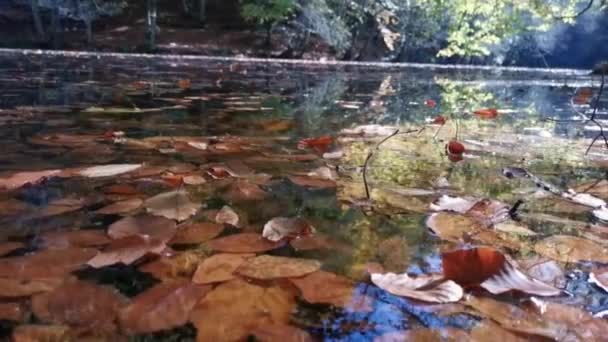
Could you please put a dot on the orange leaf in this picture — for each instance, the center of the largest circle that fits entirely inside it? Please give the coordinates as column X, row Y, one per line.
column 471, row 267
column 243, row 243
column 487, row 113
column 320, row 144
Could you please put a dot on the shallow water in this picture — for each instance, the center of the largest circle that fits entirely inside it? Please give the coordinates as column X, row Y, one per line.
column 66, row 112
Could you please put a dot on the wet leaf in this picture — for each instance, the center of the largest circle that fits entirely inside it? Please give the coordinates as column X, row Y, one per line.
column 143, row 225
column 194, row 180
column 198, row 145
column 307, row 243
column 20, row 179
column 13, row 311
column 80, row 304
column 430, row 103
column 323, row 172
column 428, row 288
column 73, row 238
column 452, row 203
column 164, row 306
column 320, row 144
column 488, row 268
column 567, row 248
column 272, row 267
column 447, row 334
column 243, row 243
column 175, row 205
column 61, row 206
column 545, row 270
column 196, row 233
column 179, row 266
column 12, row 207
column 184, row 84
column 312, row 182
column 231, row 310
column 121, row 189
column 14, row 287
column 287, row 227
column 280, row 333
column 121, row 207
column 487, row 331
column 243, row 191
column 486, row 113
column 46, row 264
column 227, row 215
column 599, row 277
column 369, row 130
column 219, row 268
column 439, row 120
column 461, row 228
column 7, row 247
column 108, row 170
column 276, row 125
column 127, row 250
column 41, row 333
column 322, row 287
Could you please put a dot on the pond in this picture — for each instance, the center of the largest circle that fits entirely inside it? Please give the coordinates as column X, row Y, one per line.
column 211, row 199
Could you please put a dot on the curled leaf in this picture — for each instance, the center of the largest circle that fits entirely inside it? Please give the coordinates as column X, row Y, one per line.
column 428, row 288
column 286, row 227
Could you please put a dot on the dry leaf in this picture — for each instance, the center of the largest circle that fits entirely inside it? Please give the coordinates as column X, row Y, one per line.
column 287, row 227
column 121, row 207
column 196, row 233
column 143, row 225
column 175, row 205
column 127, row 250
column 164, row 306
column 243, row 243
column 231, row 310
column 322, row 287
column 428, row 288
column 567, row 248
column 219, row 268
column 108, row 170
column 271, row 267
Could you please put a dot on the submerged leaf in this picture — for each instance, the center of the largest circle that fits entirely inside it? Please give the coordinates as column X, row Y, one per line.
column 196, row 233
column 312, row 182
column 428, row 288
column 227, row 215
column 219, row 268
column 143, row 225
column 127, row 250
column 121, row 207
column 272, row 267
column 322, row 287
column 46, row 264
column 243, row 243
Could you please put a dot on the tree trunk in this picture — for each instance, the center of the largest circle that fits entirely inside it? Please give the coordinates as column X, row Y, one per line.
column 56, row 29
column 37, row 19
column 89, row 26
column 151, row 8
column 202, row 11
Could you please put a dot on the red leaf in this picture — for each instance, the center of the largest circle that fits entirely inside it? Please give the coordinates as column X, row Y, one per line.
column 320, row 144
column 430, row 103
column 454, row 151
column 471, row 267
column 439, row 120
column 486, row 113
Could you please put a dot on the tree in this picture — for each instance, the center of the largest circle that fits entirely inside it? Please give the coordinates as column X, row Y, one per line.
column 267, row 12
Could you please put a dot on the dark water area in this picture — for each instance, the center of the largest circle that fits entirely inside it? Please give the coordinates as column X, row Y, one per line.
column 220, row 128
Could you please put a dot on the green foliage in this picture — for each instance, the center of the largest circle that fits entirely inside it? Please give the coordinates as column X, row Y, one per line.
column 266, row 12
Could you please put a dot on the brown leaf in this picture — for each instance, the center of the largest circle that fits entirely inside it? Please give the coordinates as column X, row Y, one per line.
column 287, row 227
column 12, row 206
column 244, row 191
column 488, row 268
column 176, row 267
column 41, row 333
column 322, row 287
column 143, row 225
column 428, row 288
column 8, row 247
column 599, row 277
column 425, row 335
column 566, row 248
column 280, row 333
column 545, row 270
column 231, row 310
column 13, row 311
column 311, row 182
column 227, row 215
column 46, row 264
column 219, row 268
column 196, row 233
column 164, row 306
column 175, row 205
column 121, row 189
column 127, row 250
column 306, row 243
column 487, row 331
column 73, row 238
column 61, row 206
column 14, row 287
column 81, row 304
column 121, row 207
column 18, row 180
column 272, row 267
column 243, row 243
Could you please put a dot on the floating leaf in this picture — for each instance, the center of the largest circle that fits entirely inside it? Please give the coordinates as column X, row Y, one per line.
column 287, row 227
column 459, row 228
column 80, row 304
column 121, row 207
column 322, row 287
column 108, row 170
column 430, row 103
column 232, row 309
column 452, row 203
column 179, row 266
column 46, row 264
column 272, row 267
column 175, row 205
column 428, row 288
column 243, row 243
column 567, row 248
column 219, row 268
column 196, row 233
column 22, row 178
column 162, row 307
column 582, row 326
column 143, row 225
column 545, row 270
column 127, row 250
column 488, row 268
column 439, row 120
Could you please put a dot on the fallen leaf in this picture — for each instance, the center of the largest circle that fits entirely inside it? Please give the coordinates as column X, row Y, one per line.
column 514, row 228
column 487, row 331
column 311, row 182
column 108, row 170
column 198, row 145
column 144, row 225
column 243, row 243
column 194, row 180
column 46, row 264
column 41, row 333
column 80, row 304
column 428, row 288
column 196, row 233
column 447, row 334
column 219, row 268
column 306, row 243
column 369, row 130
column 545, row 270
column 430, row 103
column 127, row 250
column 323, row 172
column 20, row 179
column 184, row 84
column 12, row 206
column 567, row 248
column 121, row 189
column 272, row 267
column 452, row 203
column 488, row 268
column 15, row 287
column 61, row 206
column 599, row 277
column 439, row 120
column 164, row 306
column 280, row 333
column 243, row 191
column 461, row 228
column 179, row 266
column 73, row 238
column 13, row 311
column 8, row 247
column 276, row 125
column 232, row 309
column 121, row 207
column 227, row 215
column 287, row 227
column 486, row 113
column 175, row 205
column 320, row 144
column 322, row 287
